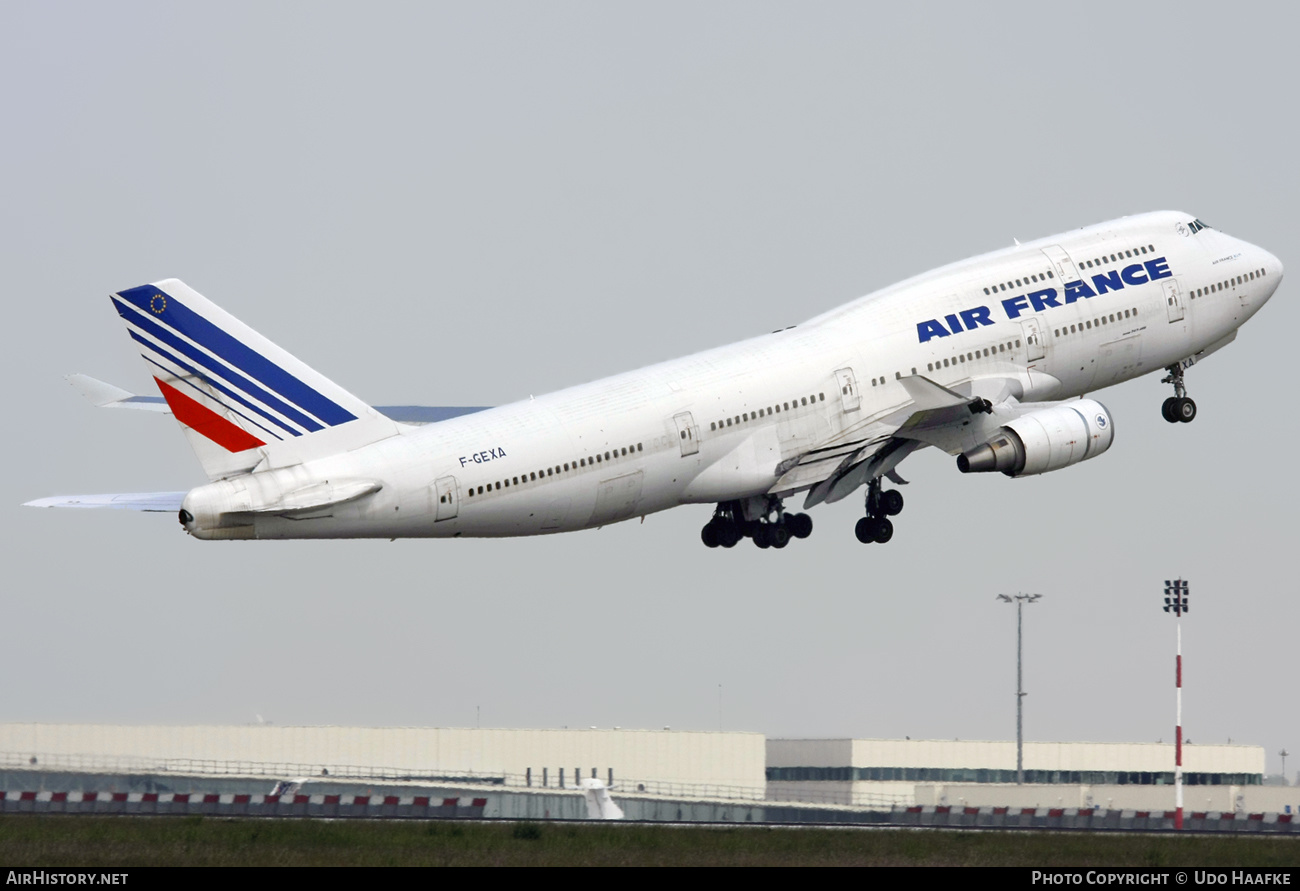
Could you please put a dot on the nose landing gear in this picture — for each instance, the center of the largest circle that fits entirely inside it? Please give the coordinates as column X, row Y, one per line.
column 1179, row 407
column 881, row 505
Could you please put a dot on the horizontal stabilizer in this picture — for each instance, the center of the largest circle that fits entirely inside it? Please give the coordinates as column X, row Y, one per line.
column 427, row 414
column 161, row 502
column 106, row 395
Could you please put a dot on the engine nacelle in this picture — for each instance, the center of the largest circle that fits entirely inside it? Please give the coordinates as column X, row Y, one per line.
column 1044, row 440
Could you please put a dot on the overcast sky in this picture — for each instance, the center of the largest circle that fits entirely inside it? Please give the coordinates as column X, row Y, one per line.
column 468, row 203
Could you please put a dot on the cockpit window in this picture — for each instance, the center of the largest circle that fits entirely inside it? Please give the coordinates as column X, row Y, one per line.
column 1197, row 226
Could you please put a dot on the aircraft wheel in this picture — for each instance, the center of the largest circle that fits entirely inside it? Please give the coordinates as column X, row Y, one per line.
column 800, row 525
column 1167, row 410
column 779, row 535
column 884, row 531
column 709, row 535
column 892, row 502
column 867, row 529
column 729, row 535
column 761, row 539
column 1185, row 410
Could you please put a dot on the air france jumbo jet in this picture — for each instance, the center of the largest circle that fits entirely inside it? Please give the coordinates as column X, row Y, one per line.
column 988, row 359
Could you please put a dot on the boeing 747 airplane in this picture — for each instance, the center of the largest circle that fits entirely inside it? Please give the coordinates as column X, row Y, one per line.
column 990, row 359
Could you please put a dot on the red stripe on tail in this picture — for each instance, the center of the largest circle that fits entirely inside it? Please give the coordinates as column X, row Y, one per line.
column 206, row 421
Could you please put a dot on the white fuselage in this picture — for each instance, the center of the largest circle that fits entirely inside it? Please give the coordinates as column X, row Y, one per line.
column 750, row 419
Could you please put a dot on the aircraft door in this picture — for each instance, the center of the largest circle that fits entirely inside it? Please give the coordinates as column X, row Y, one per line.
column 1061, row 263
column 1173, row 299
column 1034, row 344
column 687, row 433
column 849, row 395
column 617, row 499
column 446, row 492
column 1119, row 360
column 555, row 514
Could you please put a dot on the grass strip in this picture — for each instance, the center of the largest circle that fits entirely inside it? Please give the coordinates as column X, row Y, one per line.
column 62, row 840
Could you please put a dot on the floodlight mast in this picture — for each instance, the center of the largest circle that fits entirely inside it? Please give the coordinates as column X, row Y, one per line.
column 1176, row 593
column 1020, row 600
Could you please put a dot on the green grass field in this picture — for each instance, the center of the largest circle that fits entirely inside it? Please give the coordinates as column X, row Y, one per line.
column 52, row 841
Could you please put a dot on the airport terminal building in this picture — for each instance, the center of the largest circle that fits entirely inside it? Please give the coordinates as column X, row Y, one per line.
column 659, row 761
column 890, row 772
column 684, row 765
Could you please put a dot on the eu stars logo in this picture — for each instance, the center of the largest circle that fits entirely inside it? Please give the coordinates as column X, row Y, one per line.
column 158, row 303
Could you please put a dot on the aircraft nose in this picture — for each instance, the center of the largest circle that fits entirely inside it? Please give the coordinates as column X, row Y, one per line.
column 1272, row 267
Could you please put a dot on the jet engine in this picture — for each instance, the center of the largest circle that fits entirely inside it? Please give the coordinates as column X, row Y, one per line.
column 1043, row 440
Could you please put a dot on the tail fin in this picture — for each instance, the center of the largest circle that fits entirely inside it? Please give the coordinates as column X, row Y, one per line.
column 242, row 402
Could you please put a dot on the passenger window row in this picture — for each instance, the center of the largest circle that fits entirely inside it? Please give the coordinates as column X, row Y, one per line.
column 534, row 476
column 1224, row 285
column 745, row 417
column 1020, row 282
column 1097, row 322
column 880, row 381
column 957, row 359
column 1117, row 257
column 962, row 359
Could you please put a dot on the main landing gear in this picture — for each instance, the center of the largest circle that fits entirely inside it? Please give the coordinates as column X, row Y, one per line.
column 1178, row 407
column 762, row 519
column 881, row 505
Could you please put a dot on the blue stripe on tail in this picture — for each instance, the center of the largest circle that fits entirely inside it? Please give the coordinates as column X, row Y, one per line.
column 197, row 389
column 170, row 311
column 238, row 380
column 216, row 385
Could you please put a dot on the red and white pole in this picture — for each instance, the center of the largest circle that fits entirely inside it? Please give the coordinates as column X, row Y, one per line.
column 1176, row 603
column 1178, row 733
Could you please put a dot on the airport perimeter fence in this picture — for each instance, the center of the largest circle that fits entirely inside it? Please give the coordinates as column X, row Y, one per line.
column 506, row 804
column 868, row 800
column 286, row 771
column 290, row 772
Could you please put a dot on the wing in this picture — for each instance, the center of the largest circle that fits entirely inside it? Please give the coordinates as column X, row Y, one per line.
column 933, row 415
